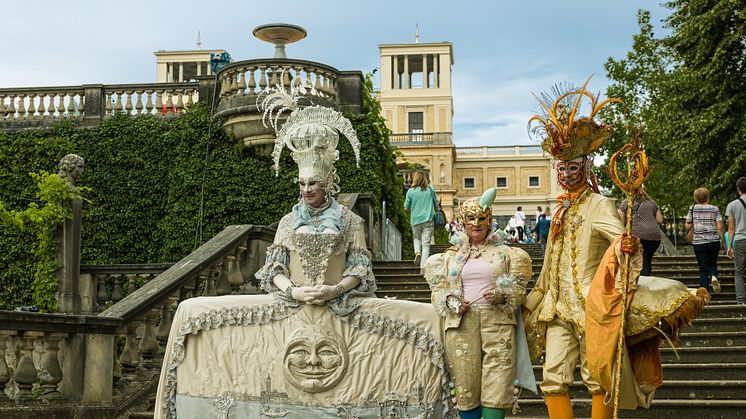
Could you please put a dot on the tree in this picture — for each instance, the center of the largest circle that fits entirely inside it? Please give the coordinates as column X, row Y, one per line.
column 688, row 91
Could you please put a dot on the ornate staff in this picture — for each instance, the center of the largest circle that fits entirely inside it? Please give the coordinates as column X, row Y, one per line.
column 631, row 184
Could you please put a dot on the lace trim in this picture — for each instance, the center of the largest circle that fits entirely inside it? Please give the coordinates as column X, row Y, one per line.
column 213, row 319
column 276, row 262
column 412, row 334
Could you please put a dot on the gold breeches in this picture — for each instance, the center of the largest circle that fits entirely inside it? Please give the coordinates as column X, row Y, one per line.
column 481, row 358
column 563, row 350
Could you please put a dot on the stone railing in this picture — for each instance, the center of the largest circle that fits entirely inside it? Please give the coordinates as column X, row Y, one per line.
column 420, row 138
column 247, row 78
column 150, row 99
column 499, row 151
column 109, row 363
column 33, row 108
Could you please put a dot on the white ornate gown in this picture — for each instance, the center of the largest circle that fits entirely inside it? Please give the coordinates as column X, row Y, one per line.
column 260, row 356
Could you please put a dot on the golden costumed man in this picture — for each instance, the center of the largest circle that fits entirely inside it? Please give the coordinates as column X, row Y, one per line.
column 478, row 287
column 574, row 310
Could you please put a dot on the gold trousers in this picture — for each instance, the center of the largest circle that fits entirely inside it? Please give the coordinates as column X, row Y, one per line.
column 481, row 357
column 563, row 349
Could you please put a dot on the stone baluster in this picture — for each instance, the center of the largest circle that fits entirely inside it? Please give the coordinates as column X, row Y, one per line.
column 262, row 78
column 207, row 279
column 158, row 101
column 109, row 107
column 130, row 358
column 119, row 106
column 189, row 98
column 274, row 80
column 296, row 77
column 42, row 109
column 222, row 284
column 61, row 104
column 326, row 87
column 164, row 325
column 138, row 104
column 4, row 371
column 3, row 109
column 131, row 283
column 148, row 102
column 180, row 102
column 223, row 87
column 333, row 86
column 101, row 296
column 51, row 373
column 11, row 111
column 252, row 82
column 25, row 374
column 128, row 106
column 81, row 104
column 317, row 85
column 234, row 83
column 70, row 110
column 241, row 83
column 235, row 277
column 32, row 105
column 188, row 290
column 148, row 343
column 51, row 108
column 169, row 103
column 286, row 77
column 308, row 83
column 22, row 106
column 116, row 292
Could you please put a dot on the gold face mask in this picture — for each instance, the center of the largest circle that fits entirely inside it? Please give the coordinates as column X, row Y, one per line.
column 472, row 213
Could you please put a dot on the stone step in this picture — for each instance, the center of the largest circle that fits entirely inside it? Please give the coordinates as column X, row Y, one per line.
column 707, row 371
column 679, row 389
column 660, row 409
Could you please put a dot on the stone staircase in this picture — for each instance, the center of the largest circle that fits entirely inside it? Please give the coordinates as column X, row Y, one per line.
column 707, row 381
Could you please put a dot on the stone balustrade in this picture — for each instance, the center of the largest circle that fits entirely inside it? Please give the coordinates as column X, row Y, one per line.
column 499, row 151
column 40, row 362
column 150, row 99
column 420, row 138
column 42, row 102
column 249, row 78
column 112, row 359
column 35, row 108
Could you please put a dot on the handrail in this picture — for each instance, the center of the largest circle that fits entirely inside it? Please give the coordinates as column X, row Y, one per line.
column 169, row 282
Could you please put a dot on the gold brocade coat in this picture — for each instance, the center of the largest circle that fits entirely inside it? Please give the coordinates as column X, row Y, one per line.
column 570, row 262
column 443, row 275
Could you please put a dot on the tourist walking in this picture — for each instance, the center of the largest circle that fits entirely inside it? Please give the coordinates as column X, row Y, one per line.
column 736, row 213
column 421, row 204
column 542, row 230
column 645, row 219
column 478, row 286
column 520, row 223
column 708, row 237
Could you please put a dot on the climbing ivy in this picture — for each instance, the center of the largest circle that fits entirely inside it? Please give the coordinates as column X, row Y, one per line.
column 161, row 187
column 43, row 222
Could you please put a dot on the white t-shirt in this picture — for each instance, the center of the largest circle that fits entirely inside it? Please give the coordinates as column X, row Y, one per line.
column 520, row 219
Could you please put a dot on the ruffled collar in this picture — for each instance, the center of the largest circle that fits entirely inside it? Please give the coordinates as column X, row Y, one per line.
column 327, row 216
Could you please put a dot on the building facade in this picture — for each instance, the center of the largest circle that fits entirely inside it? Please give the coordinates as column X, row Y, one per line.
column 417, row 101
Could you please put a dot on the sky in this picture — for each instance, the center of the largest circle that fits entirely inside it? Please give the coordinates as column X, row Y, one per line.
column 503, row 50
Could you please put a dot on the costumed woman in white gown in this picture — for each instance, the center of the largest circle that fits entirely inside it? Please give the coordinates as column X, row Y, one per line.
column 320, row 344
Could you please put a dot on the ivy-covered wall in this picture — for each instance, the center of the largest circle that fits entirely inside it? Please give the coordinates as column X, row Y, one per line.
column 146, row 177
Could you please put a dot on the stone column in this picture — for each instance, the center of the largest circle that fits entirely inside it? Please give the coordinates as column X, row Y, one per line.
column 436, row 76
column 395, row 59
column 407, row 79
column 68, row 255
column 425, row 75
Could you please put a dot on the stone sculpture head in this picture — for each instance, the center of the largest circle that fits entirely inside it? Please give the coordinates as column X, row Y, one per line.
column 315, row 359
column 71, row 167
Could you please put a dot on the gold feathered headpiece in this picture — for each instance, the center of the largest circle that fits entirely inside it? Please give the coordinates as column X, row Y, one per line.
column 563, row 133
